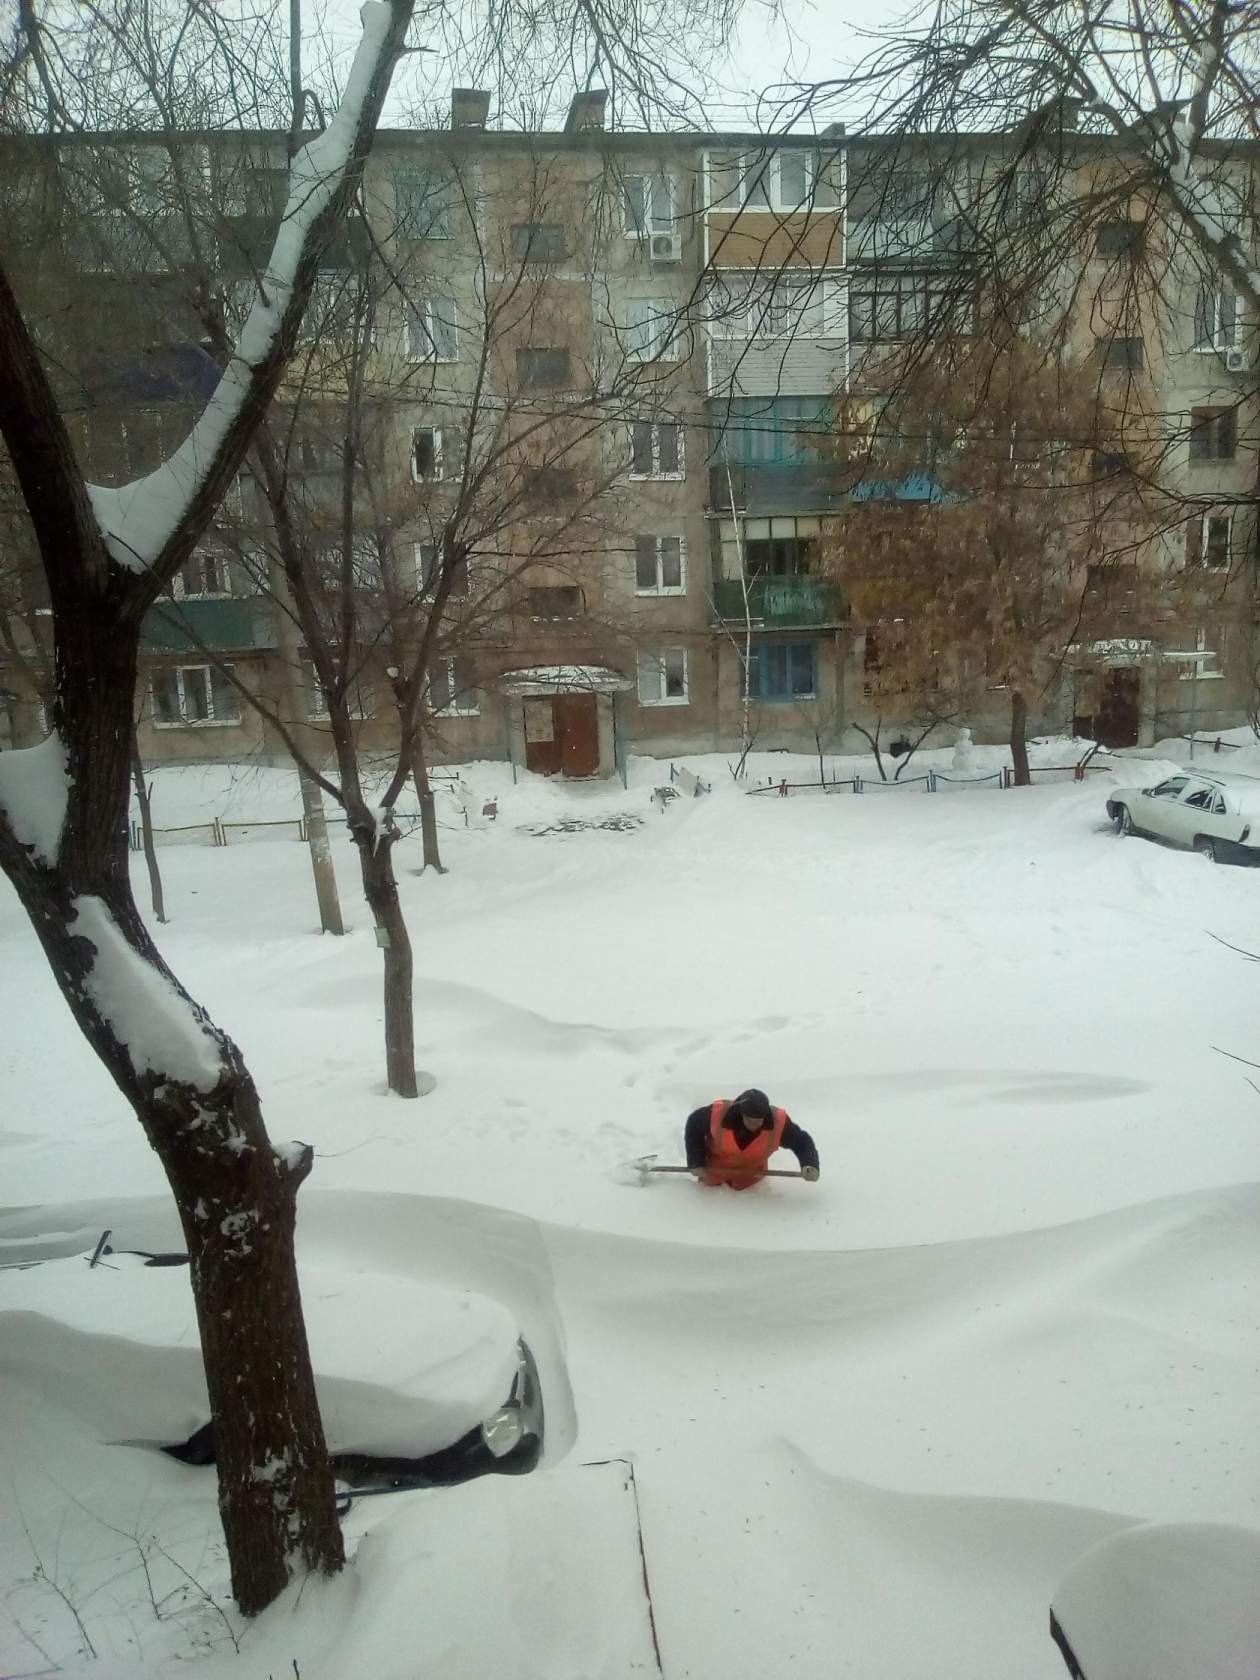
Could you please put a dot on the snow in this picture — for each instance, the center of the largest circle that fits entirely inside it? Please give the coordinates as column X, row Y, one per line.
column 137, row 519
column 34, row 793
column 562, row 679
column 124, row 1335
column 1166, row 1601
column 874, row 1421
column 162, row 1031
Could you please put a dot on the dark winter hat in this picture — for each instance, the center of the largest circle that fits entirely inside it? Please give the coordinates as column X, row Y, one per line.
column 753, row 1104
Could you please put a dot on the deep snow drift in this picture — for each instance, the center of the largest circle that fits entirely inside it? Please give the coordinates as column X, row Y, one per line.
column 872, row 1422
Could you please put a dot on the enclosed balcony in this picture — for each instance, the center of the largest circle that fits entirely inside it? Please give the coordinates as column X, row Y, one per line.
column 217, row 626
column 779, row 603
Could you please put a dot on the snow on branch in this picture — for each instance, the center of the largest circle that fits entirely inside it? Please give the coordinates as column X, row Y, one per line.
column 137, row 520
column 161, row 1029
column 34, row 794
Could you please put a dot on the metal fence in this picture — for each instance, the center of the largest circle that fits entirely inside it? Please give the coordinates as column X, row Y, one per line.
column 934, row 781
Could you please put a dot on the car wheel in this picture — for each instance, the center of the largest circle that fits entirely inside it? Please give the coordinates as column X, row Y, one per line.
column 1122, row 820
column 1207, row 849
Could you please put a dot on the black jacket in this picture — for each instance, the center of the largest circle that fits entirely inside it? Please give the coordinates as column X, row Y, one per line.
column 696, row 1138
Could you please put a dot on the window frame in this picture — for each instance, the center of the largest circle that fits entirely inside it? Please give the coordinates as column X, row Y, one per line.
column 1217, row 341
column 554, row 618
column 668, row 222
column 179, row 583
column 657, row 658
column 929, row 294
column 1194, row 671
column 183, row 721
column 654, row 428
column 424, row 312
column 657, row 538
column 790, row 697
column 1215, row 428
column 439, row 462
column 444, row 181
column 1117, row 354
column 457, row 706
column 558, row 384
column 765, row 170
column 666, row 346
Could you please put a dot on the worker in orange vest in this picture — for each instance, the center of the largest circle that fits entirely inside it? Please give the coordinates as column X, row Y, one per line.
column 732, row 1142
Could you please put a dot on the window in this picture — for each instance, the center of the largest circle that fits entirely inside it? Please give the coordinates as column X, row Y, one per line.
column 539, row 242
column 650, row 330
column 1208, row 542
column 431, row 330
column 776, row 431
column 202, row 576
column 663, row 678
column 451, row 691
column 1118, row 239
column 366, row 572
column 779, row 556
column 554, row 601
column 781, row 671
column 656, row 449
column 1173, row 788
column 337, row 308
column 1208, row 645
column 1127, row 354
column 1201, row 799
column 194, row 694
column 424, row 201
column 543, row 369
column 545, row 485
column 1216, row 321
column 426, row 559
column 1213, row 434
column 659, row 565
column 1104, row 463
column 359, row 698
column 426, row 453
column 892, row 306
column 779, row 308
column 648, row 204
column 789, row 179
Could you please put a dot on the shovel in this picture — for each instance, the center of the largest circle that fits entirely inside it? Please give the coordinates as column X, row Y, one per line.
column 646, row 1165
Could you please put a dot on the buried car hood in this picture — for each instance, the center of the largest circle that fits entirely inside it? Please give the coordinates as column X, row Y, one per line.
column 401, row 1368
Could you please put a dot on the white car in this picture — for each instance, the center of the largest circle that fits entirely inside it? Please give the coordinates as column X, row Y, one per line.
column 1216, row 814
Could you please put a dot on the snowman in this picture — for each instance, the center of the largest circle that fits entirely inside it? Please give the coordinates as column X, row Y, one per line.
column 964, row 751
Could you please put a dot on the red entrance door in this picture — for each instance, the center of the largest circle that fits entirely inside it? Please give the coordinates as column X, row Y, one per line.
column 577, row 730
column 562, row 736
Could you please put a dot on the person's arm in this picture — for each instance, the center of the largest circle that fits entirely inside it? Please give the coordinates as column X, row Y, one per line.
column 801, row 1144
column 696, row 1138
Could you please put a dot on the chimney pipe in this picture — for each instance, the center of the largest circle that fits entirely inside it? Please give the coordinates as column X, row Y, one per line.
column 469, row 108
column 586, row 111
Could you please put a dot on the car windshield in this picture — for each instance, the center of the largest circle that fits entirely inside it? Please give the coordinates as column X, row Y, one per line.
column 1169, row 789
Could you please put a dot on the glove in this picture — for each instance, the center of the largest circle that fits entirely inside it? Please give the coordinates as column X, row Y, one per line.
column 810, row 1174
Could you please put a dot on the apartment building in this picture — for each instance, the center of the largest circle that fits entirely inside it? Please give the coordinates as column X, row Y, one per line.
column 612, row 361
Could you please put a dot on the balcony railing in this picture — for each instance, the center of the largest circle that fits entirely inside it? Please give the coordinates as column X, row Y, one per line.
column 809, row 487
column 219, row 626
column 780, row 602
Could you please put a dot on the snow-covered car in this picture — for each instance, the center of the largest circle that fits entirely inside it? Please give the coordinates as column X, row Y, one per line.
column 1216, row 814
column 1162, row 1601
column 418, row 1386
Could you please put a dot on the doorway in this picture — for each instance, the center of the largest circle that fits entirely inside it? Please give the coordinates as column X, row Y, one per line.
column 562, row 735
column 1116, row 722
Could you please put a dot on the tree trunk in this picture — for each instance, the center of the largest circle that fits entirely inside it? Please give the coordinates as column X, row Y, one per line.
column 428, row 815
column 321, row 855
column 146, row 832
column 380, row 888
column 1019, row 738
column 192, row 1093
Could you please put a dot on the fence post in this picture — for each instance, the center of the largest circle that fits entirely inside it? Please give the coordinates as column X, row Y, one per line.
column 931, row 781
column 857, row 782
column 220, row 833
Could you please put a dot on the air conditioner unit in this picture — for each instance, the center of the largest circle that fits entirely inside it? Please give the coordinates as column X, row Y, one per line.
column 667, row 247
column 1236, row 361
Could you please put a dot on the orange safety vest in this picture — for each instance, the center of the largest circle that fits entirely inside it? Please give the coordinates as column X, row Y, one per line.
column 729, row 1164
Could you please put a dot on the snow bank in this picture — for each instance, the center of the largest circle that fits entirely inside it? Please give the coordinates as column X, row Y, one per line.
column 34, row 793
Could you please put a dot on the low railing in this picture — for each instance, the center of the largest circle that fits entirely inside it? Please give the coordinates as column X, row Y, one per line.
column 779, row 602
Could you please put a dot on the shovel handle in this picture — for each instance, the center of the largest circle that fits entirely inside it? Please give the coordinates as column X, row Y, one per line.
column 746, row 1172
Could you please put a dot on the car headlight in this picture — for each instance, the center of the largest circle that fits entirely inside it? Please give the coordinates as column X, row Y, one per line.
column 503, row 1432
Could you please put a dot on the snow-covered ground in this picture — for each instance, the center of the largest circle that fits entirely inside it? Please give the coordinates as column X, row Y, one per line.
column 872, row 1421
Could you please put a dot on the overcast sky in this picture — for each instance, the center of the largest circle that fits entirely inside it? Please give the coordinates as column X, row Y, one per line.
column 810, row 41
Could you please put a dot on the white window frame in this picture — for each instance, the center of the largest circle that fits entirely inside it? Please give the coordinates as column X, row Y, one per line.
column 656, row 659
column 361, row 700
column 443, row 186
column 761, row 309
column 424, row 312
column 1218, row 339
column 463, row 705
column 1195, row 671
column 656, row 473
column 425, row 572
column 662, row 588
column 767, row 166
column 1205, row 529
column 666, row 344
column 183, row 721
column 179, row 583
column 439, row 464
column 653, row 220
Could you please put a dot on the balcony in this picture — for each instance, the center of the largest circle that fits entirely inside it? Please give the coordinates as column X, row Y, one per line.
column 804, row 487
column 780, row 603
column 220, row 626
